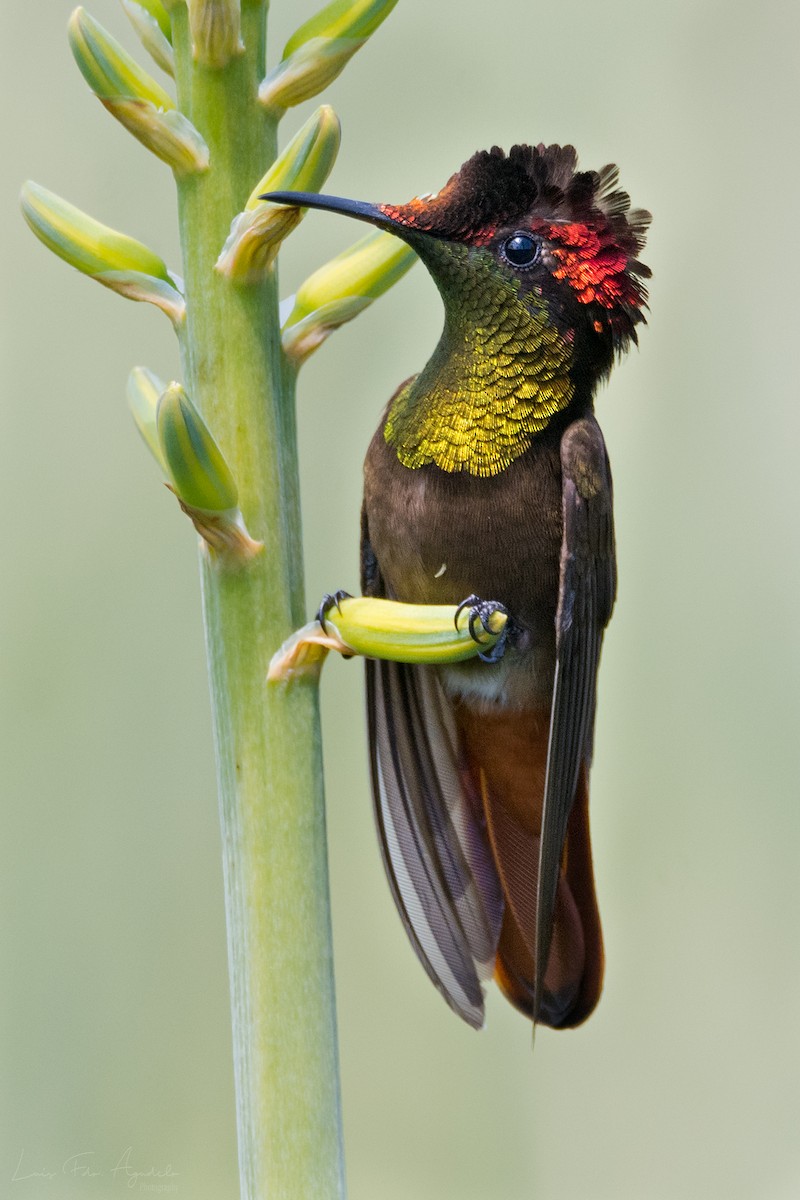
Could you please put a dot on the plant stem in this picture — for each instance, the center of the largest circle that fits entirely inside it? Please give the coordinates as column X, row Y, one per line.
column 267, row 739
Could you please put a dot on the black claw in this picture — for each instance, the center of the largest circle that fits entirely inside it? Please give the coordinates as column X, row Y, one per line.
column 482, row 611
column 329, row 601
column 468, row 603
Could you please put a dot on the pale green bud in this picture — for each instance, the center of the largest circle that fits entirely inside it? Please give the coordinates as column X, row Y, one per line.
column 387, row 629
column 195, row 463
column 320, row 49
column 113, row 259
column 107, row 67
column 169, row 135
column 152, row 33
column 134, row 97
column 343, row 288
column 256, row 234
column 215, row 28
column 143, row 393
column 201, row 478
column 159, row 14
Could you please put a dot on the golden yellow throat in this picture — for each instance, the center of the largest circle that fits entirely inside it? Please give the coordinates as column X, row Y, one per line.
column 491, row 385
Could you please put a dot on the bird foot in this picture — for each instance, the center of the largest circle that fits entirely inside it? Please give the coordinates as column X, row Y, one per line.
column 329, row 601
column 482, row 611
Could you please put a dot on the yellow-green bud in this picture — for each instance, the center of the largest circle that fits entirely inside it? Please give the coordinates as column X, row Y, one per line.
column 343, row 288
column 152, row 32
column 108, row 68
column 256, row 234
column 412, row 633
column 134, row 97
column 387, row 629
column 201, row 479
column 143, row 393
column 320, row 49
column 159, row 14
column 197, row 468
column 215, row 27
column 113, row 259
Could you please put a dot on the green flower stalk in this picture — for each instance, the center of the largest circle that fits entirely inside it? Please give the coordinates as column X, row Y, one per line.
column 320, row 50
column 219, row 137
column 257, row 233
column 341, row 289
column 134, row 98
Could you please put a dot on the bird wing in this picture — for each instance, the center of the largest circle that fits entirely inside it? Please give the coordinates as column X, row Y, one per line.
column 587, row 587
column 435, row 854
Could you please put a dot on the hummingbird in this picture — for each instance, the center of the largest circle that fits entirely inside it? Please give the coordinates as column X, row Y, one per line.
column 487, row 486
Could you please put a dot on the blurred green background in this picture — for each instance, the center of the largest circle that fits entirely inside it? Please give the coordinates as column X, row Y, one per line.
column 115, row 1009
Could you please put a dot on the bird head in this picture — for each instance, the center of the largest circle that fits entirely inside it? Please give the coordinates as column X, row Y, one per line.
column 526, row 228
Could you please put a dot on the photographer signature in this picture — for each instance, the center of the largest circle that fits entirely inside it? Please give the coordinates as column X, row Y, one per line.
column 87, row 1165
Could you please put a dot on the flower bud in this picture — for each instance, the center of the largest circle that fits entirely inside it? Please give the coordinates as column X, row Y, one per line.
column 107, row 67
column 134, row 97
column 159, row 13
column 256, row 234
column 113, row 259
column 153, row 33
column 387, row 629
column 201, row 479
column 143, row 392
column 169, row 135
column 320, row 49
column 197, row 468
column 343, row 288
column 215, row 27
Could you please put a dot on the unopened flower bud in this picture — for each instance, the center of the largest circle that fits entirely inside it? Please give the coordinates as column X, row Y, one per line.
column 343, row 288
column 143, row 393
column 158, row 12
column 201, row 479
column 215, row 27
column 113, row 259
column 257, row 233
column 320, row 49
column 387, row 629
column 197, row 468
column 153, row 33
column 134, row 97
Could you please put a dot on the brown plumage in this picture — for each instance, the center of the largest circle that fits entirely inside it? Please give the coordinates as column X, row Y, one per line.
column 500, row 537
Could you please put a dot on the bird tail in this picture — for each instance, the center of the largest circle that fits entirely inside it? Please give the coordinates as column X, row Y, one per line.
column 505, row 763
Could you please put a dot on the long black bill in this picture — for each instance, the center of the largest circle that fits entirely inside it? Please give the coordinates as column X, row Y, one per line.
column 350, row 208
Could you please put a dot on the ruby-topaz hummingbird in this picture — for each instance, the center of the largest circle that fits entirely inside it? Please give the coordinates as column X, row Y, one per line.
column 487, row 482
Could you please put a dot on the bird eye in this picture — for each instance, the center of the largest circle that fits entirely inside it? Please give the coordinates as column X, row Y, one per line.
column 520, row 250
